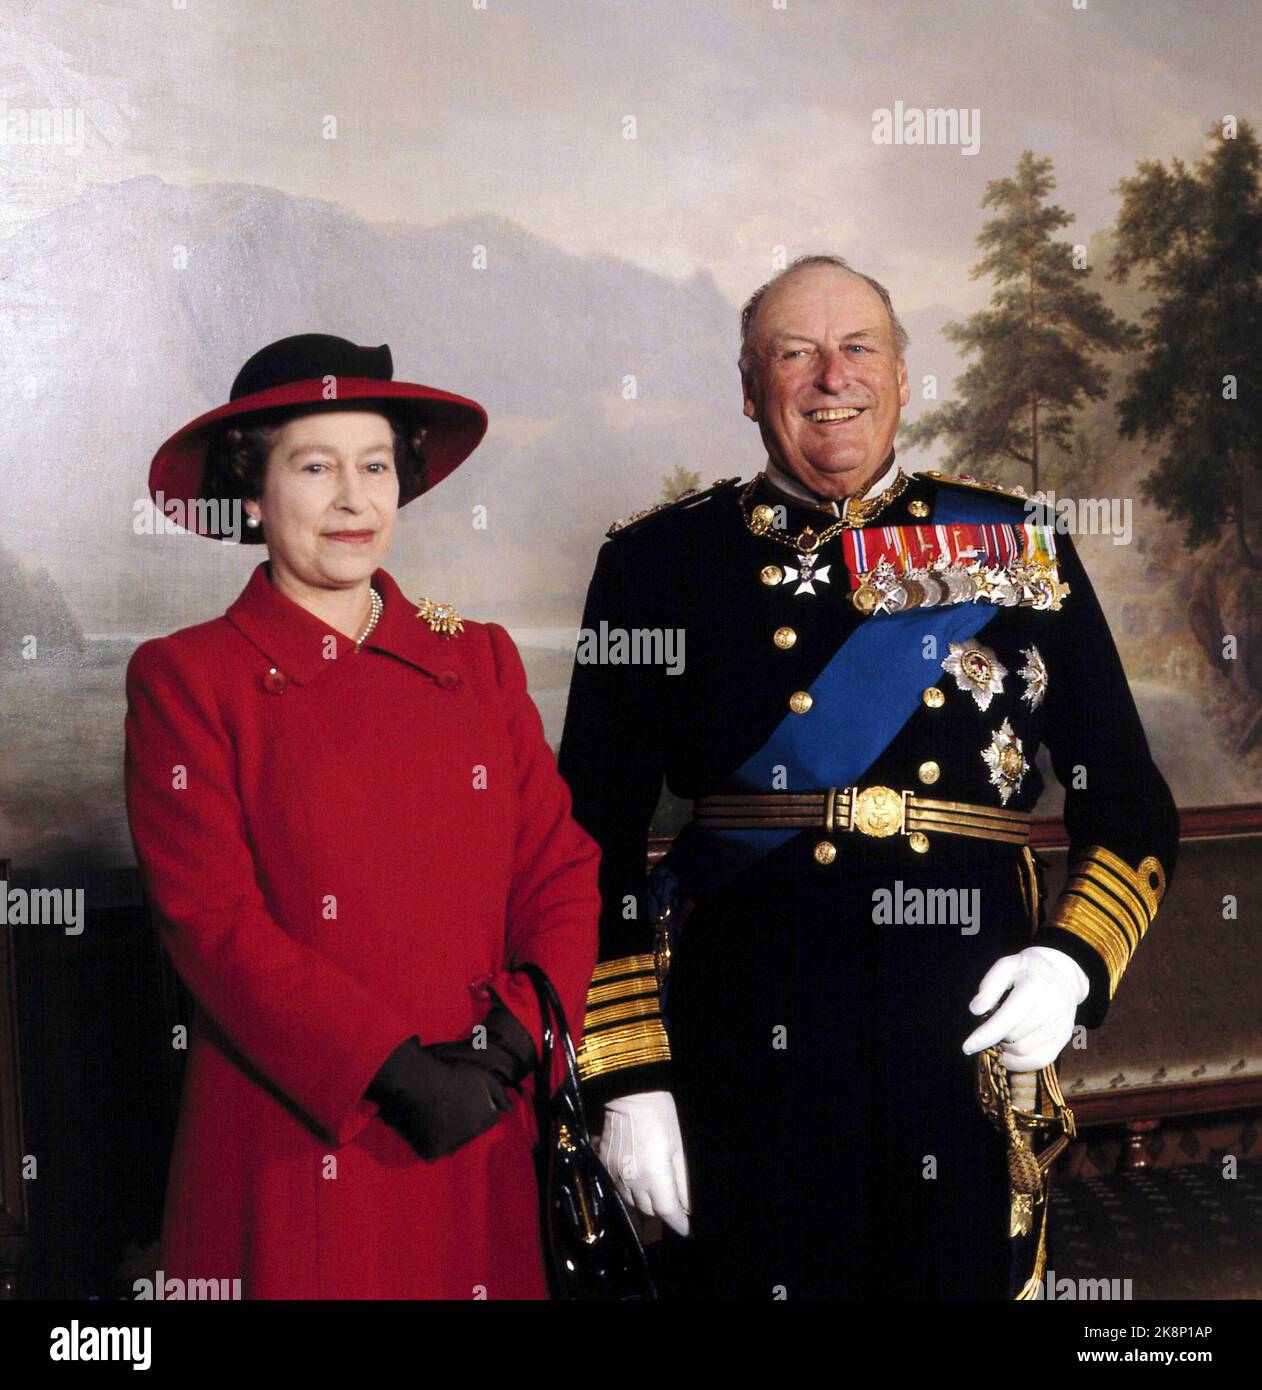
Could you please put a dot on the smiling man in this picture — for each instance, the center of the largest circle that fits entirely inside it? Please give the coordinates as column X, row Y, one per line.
column 824, row 377
column 807, row 1065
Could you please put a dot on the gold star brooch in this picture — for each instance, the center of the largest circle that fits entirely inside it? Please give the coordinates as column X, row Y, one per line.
column 441, row 617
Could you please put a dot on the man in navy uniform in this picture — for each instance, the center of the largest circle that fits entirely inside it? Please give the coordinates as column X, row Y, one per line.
column 785, row 1025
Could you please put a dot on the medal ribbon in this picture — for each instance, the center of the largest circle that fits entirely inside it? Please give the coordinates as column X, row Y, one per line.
column 997, row 545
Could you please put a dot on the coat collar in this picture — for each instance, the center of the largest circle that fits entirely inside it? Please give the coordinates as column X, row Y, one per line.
column 786, row 489
column 295, row 641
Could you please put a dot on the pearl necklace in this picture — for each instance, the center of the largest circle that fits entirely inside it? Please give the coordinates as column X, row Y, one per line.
column 378, row 603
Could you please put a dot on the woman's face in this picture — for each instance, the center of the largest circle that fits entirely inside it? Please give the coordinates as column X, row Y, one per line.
column 330, row 494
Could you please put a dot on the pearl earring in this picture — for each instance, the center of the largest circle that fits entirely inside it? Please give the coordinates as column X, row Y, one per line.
column 252, row 520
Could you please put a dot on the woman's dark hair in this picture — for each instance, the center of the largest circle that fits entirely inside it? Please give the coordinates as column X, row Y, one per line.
column 236, row 460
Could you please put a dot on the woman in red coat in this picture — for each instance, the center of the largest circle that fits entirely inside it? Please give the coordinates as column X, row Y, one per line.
column 351, row 830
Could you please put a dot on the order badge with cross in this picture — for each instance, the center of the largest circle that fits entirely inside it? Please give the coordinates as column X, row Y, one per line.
column 808, row 573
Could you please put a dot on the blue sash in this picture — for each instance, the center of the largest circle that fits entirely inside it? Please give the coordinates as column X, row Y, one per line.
column 860, row 701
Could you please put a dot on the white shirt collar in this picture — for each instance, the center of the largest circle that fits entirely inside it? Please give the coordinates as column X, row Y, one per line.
column 786, row 483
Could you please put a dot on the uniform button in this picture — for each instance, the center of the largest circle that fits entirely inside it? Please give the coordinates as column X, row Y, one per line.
column 480, row 985
column 825, row 852
column 771, row 574
column 933, row 697
column 762, row 516
column 449, row 680
column 929, row 772
column 918, row 841
column 274, row 681
column 919, row 509
column 800, row 701
column 784, row 638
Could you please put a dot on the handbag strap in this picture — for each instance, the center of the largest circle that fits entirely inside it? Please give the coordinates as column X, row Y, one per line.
column 555, row 1030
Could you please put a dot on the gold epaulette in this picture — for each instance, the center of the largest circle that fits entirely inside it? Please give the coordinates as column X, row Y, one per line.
column 1019, row 494
column 623, row 1024
column 689, row 495
column 1110, row 905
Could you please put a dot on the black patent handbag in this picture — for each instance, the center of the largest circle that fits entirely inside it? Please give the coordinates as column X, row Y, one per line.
column 591, row 1241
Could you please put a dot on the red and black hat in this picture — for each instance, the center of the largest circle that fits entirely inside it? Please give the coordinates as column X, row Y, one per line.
column 301, row 375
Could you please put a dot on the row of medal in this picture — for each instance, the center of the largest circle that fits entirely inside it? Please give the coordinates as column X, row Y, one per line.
column 1025, row 585
column 928, row 566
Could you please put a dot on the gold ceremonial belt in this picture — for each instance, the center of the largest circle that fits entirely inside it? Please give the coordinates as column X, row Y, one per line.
column 875, row 811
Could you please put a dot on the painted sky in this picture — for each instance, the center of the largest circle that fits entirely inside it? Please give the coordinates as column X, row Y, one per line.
column 753, row 118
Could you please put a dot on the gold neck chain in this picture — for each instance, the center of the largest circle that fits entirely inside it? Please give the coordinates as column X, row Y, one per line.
column 860, row 511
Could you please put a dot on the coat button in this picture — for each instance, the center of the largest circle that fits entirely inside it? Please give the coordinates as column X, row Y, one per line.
column 481, row 986
column 771, row 574
column 825, row 852
column 784, row 638
column 918, row 841
column 933, row 697
column 800, row 701
column 929, row 772
column 919, row 509
column 274, row 681
column 449, row 680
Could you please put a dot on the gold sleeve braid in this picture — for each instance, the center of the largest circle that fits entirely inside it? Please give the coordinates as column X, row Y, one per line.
column 623, row 1023
column 1110, row 905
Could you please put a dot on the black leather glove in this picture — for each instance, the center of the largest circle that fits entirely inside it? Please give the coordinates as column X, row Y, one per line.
column 509, row 1054
column 441, row 1096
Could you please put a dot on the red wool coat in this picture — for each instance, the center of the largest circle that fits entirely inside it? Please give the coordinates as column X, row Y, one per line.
column 344, row 850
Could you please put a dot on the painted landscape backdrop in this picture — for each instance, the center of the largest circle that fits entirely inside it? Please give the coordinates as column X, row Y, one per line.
column 492, row 239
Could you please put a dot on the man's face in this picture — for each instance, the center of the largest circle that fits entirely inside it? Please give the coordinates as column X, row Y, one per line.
column 822, row 342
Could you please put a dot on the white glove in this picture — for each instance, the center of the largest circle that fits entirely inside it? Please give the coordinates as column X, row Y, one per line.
column 644, row 1152
column 1037, row 1019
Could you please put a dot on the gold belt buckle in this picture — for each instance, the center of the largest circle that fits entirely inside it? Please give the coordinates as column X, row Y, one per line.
column 878, row 811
